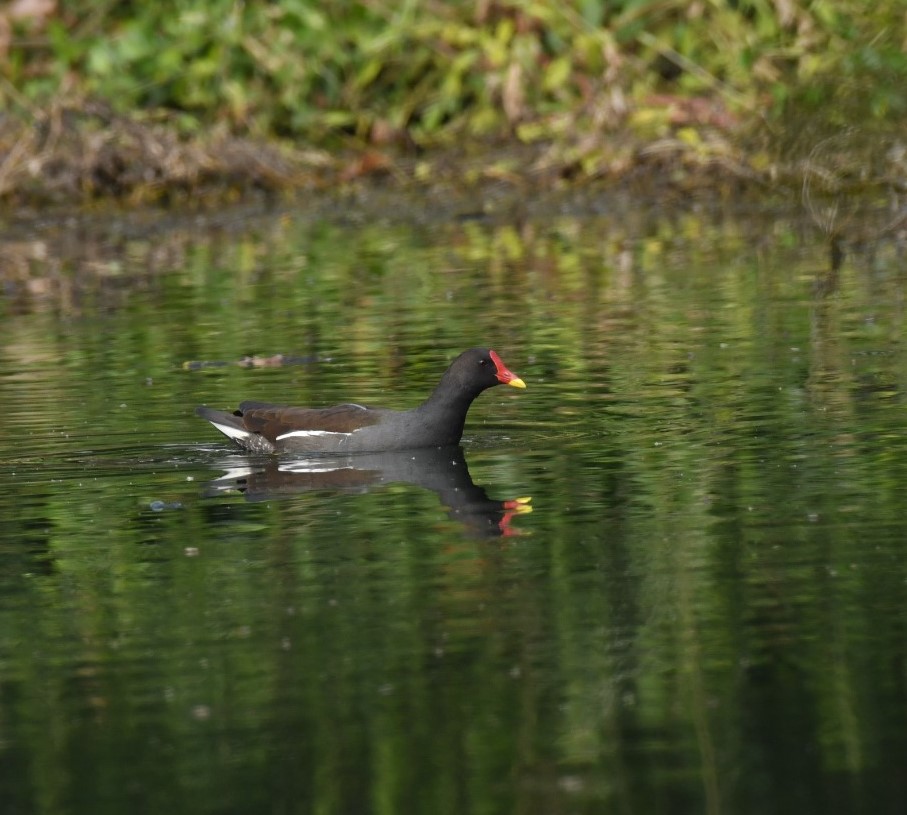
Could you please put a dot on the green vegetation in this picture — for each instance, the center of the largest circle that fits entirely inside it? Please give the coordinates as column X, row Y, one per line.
column 586, row 82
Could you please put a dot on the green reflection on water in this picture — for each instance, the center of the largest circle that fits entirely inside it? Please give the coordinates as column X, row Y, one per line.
column 705, row 610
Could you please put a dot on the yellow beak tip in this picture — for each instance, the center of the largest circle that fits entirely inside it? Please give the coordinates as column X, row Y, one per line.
column 517, row 383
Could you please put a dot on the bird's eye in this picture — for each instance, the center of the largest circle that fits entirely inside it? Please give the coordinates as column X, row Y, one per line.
column 482, row 361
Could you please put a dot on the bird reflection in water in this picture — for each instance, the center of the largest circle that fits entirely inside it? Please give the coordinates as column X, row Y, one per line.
column 442, row 470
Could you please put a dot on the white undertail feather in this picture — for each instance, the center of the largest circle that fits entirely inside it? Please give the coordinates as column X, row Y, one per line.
column 238, row 433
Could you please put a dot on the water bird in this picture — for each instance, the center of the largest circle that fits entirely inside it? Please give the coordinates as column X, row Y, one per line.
column 262, row 427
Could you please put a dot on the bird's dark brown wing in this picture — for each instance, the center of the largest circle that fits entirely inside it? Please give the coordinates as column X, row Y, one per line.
column 276, row 420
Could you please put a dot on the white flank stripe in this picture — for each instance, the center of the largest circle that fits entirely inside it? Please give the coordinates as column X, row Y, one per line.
column 304, row 433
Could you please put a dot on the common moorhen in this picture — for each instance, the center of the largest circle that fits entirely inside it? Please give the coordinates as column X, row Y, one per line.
column 261, row 427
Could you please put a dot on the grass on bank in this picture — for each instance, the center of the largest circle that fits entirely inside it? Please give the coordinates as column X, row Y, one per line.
column 156, row 100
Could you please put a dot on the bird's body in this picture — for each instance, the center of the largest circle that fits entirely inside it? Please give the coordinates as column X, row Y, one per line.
column 261, row 427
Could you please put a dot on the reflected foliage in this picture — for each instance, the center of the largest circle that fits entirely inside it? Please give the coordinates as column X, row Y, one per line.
column 705, row 611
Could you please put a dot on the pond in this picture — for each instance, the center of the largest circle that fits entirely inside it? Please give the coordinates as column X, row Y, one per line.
column 668, row 576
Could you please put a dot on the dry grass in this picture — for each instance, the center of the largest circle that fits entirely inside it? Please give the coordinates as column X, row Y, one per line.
column 74, row 152
column 71, row 153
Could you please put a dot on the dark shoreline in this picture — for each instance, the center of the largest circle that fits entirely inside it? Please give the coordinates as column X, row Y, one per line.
column 90, row 157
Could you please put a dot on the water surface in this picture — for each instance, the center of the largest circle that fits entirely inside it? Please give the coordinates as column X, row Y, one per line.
column 703, row 612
